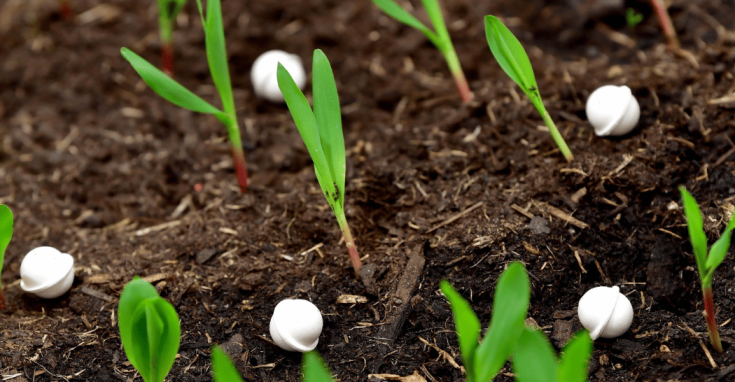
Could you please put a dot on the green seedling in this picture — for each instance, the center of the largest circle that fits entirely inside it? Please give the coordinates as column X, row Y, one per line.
column 666, row 25
column 511, row 56
column 632, row 18
column 534, row 359
column 439, row 37
column 321, row 131
column 149, row 330
column 6, row 233
column 706, row 263
column 167, row 12
column 175, row 93
column 512, row 295
column 312, row 366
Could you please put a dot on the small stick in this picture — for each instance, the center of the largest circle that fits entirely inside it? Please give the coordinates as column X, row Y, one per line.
column 706, row 351
column 456, row 217
column 666, row 25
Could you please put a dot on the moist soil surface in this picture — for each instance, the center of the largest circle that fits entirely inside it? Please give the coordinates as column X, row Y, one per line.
column 92, row 162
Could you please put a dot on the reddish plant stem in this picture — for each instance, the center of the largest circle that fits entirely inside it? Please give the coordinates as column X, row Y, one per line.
column 666, row 25
column 64, row 9
column 462, row 86
column 241, row 170
column 167, row 58
column 350, row 242
column 2, row 300
column 709, row 316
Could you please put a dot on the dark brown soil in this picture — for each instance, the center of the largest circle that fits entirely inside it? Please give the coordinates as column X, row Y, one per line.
column 93, row 162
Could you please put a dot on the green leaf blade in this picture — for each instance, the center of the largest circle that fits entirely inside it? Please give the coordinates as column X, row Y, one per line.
column 222, row 367
column 718, row 251
column 510, row 55
column 533, row 358
column 314, row 368
column 510, row 306
column 467, row 325
column 214, row 38
column 574, row 365
column 6, row 232
column 397, row 12
column 166, row 87
column 695, row 226
column 329, row 121
column 435, row 15
column 307, row 125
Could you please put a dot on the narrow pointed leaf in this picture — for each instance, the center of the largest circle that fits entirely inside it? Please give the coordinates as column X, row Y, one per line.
column 314, row 368
column 170, row 337
column 397, row 12
column 435, row 14
column 510, row 54
column 214, row 38
column 154, row 331
column 719, row 250
column 166, row 87
column 329, row 121
column 223, row 368
column 574, row 364
column 466, row 324
column 696, row 230
column 307, row 125
column 533, row 358
column 6, row 232
column 512, row 296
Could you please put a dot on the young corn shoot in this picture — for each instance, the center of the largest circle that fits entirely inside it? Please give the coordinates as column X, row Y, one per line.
column 666, row 25
column 172, row 91
column 149, row 330
column 167, row 12
column 511, row 56
column 706, row 263
column 6, row 233
column 223, row 369
column 534, row 359
column 313, row 367
column 439, row 37
column 321, row 131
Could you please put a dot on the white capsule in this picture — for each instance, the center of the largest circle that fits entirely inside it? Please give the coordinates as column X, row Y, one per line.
column 605, row 312
column 296, row 325
column 612, row 110
column 46, row 272
column 264, row 77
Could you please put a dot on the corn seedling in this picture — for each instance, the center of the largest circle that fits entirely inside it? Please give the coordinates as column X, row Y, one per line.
column 178, row 95
column 439, row 37
column 666, row 25
column 313, row 367
column 511, row 56
column 512, row 296
column 149, row 330
column 534, row 359
column 167, row 12
column 706, row 263
column 321, row 131
column 632, row 18
column 6, row 233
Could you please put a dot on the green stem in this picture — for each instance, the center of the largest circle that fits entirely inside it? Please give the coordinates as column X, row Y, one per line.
column 349, row 241
column 454, row 66
column 238, row 156
column 709, row 316
column 555, row 134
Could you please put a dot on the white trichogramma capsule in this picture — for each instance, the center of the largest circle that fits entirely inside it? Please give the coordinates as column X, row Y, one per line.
column 264, row 77
column 46, row 272
column 605, row 312
column 296, row 325
column 612, row 110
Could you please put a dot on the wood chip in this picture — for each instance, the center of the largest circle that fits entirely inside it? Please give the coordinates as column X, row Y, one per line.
column 101, row 278
column 229, row 231
column 415, row 377
column 447, row 357
column 156, row 278
column 351, row 299
column 579, row 194
column 564, row 216
column 457, row 216
column 521, row 211
column 704, row 347
column 102, row 13
column 156, row 228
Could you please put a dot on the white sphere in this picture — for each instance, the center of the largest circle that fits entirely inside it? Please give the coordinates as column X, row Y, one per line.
column 296, row 325
column 612, row 110
column 46, row 272
column 605, row 312
column 264, row 77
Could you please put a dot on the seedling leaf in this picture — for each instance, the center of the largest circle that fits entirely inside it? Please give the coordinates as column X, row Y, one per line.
column 214, row 39
column 167, row 88
column 512, row 296
column 329, row 121
column 222, row 367
column 574, row 364
column 467, row 325
column 314, row 368
column 719, row 249
column 149, row 330
column 696, row 230
column 397, row 12
column 533, row 358
column 6, row 232
column 435, row 14
column 511, row 56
